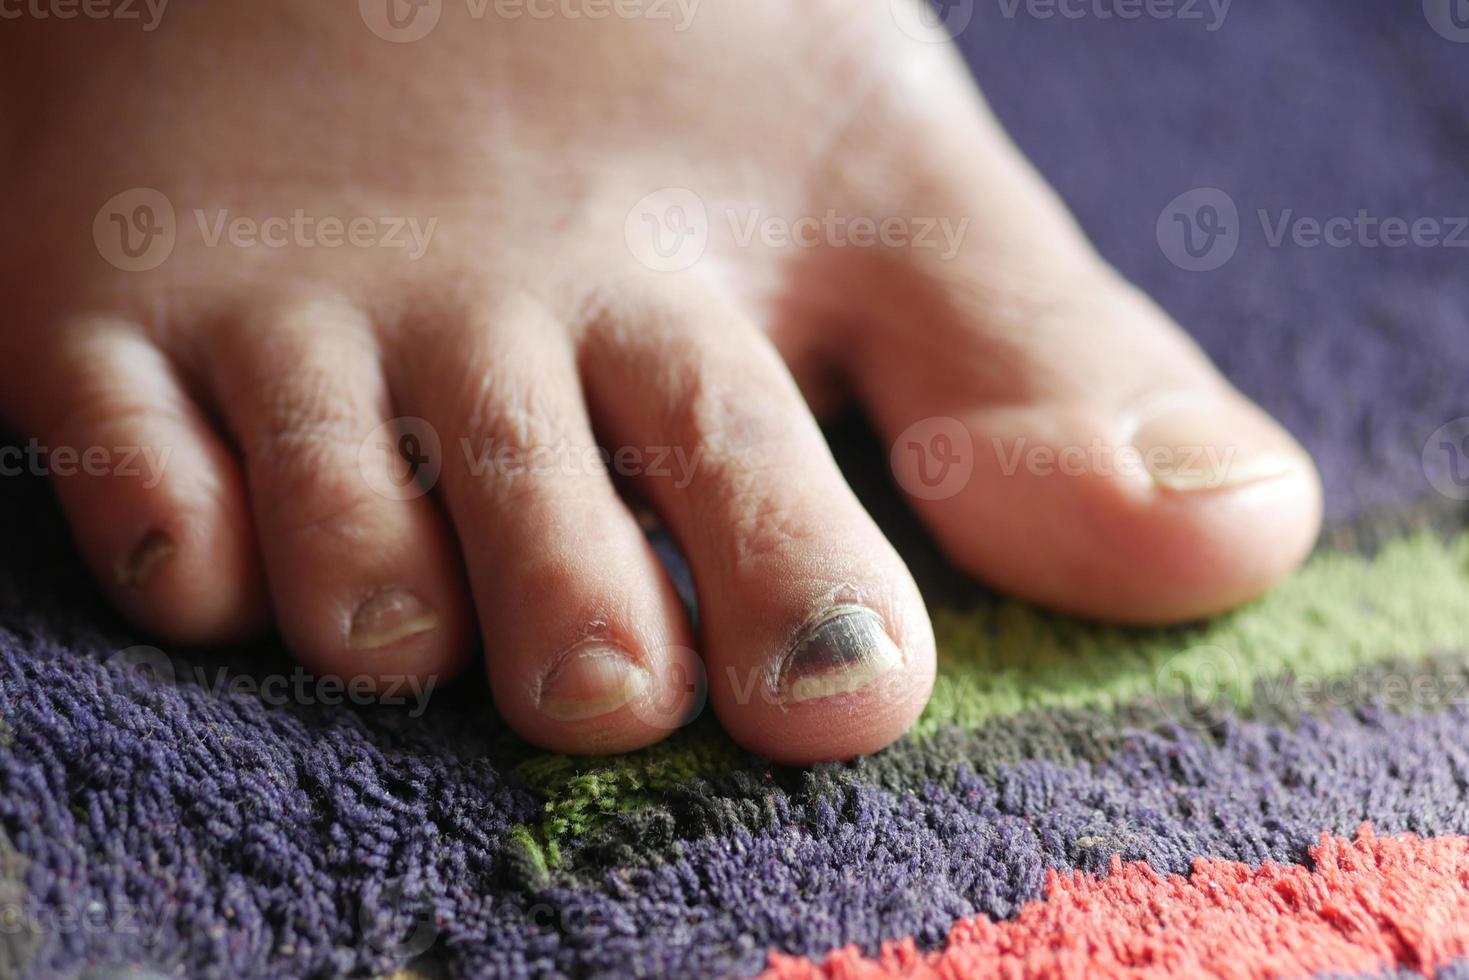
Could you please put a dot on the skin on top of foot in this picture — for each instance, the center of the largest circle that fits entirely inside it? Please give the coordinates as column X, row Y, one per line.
column 283, row 244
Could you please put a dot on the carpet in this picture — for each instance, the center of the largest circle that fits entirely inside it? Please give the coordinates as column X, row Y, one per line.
column 1282, row 791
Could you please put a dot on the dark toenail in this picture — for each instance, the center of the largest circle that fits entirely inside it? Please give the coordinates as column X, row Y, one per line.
column 844, row 649
column 139, row 567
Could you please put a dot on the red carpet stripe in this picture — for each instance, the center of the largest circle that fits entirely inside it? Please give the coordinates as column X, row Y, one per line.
column 1368, row 904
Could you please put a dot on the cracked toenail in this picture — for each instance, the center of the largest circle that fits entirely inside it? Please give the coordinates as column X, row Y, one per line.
column 842, row 650
column 590, row 681
column 390, row 616
column 143, row 562
column 1193, row 449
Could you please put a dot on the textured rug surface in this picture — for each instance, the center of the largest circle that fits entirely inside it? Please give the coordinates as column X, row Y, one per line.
column 1283, row 791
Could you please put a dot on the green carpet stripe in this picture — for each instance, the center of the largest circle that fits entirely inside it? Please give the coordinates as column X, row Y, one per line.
column 1338, row 613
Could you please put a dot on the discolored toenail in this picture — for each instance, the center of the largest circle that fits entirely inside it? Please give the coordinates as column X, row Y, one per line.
column 142, row 563
column 388, row 617
column 842, row 650
column 589, row 681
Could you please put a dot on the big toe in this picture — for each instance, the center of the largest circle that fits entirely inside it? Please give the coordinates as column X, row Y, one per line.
column 1063, row 437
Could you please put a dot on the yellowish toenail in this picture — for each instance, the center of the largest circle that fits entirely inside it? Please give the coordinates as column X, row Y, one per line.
column 590, row 681
column 388, row 617
column 1194, row 448
column 139, row 567
column 842, row 650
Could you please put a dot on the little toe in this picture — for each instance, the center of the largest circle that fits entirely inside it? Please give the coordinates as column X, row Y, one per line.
column 154, row 497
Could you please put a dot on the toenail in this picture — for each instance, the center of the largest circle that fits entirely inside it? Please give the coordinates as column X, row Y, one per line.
column 390, row 616
column 842, row 650
column 1195, row 448
column 143, row 562
column 590, row 681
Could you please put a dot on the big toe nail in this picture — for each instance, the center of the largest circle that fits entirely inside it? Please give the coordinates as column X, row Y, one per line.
column 1193, row 447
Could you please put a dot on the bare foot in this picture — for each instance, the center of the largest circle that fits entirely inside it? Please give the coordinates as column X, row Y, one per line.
column 665, row 237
